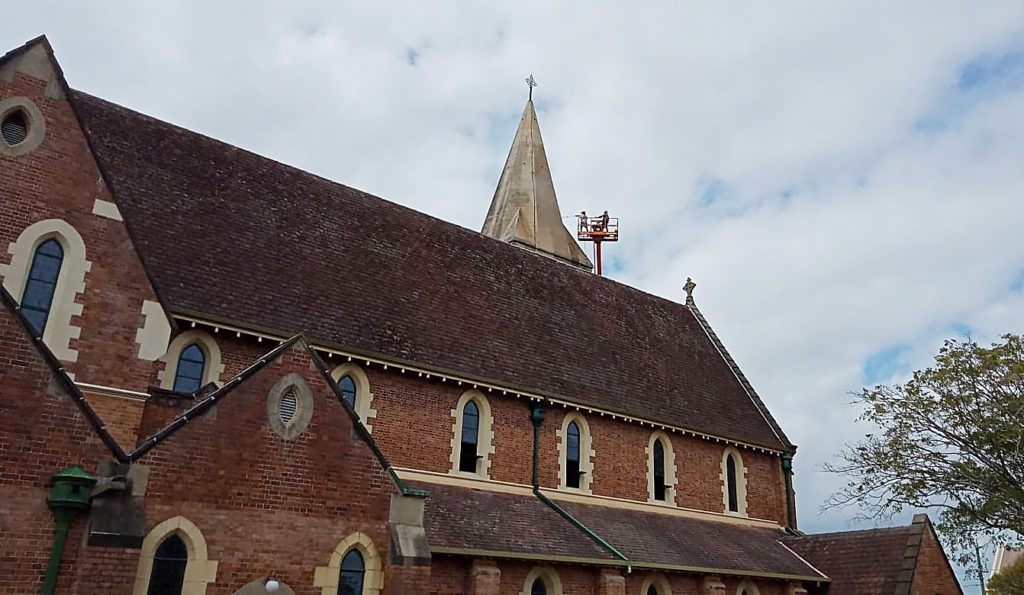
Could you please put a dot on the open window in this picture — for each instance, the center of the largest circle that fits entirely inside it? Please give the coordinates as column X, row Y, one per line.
column 472, row 439
column 661, row 469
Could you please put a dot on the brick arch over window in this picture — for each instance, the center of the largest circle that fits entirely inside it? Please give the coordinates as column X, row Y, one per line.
column 70, row 282
column 485, row 437
column 199, row 572
column 741, row 482
column 586, row 452
column 213, row 368
column 364, row 396
column 326, row 577
column 670, row 469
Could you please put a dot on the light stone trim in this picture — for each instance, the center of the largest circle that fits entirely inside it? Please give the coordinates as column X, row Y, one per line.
column 364, row 396
column 747, row 587
column 70, row 281
column 741, row 483
column 213, row 369
column 34, row 120
column 472, row 481
column 155, row 335
column 586, row 453
column 670, row 469
column 290, row 430
column 104, row 208
column 659, row 582
column 199, row 571
column 326, row 577
column 485, row 437
column 547, row 574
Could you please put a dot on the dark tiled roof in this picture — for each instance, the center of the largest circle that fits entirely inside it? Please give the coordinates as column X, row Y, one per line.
column 858, row 562
column 479, row 520
column 654, row 538
column 237, row 237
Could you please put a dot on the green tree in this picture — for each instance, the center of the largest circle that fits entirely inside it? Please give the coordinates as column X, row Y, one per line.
column 1009, row 581
column 950, row 439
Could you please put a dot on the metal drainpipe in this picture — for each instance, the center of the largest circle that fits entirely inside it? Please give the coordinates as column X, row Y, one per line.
column 787, row 472
column 72, row 488
column 537, row 416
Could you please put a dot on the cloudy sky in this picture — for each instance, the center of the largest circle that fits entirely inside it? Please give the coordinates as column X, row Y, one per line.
column 842, row 180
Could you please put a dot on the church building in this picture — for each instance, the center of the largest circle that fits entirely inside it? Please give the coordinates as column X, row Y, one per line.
column 221, row 374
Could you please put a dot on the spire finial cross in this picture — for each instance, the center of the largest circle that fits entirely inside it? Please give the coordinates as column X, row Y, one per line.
column 531, row 83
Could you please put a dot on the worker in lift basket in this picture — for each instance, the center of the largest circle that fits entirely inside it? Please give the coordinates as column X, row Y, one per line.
column 583, row 220
column 604, row 221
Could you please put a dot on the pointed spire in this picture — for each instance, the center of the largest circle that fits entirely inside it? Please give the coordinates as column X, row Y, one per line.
column 524, row 209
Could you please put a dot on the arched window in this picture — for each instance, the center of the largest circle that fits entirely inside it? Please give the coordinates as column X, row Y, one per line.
column 470, row 437
column 730, row 479
column 353, row 570
column 191, row 364
column 656, row 585
column 41, row 283
column 572, row 456
column 348, row 390
column 542, row 580
column 659, row 471
column 168, row 574
column 734, row 482
column 652, row 590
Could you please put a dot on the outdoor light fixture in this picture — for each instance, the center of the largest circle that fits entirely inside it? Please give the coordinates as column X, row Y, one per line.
column 271, row 584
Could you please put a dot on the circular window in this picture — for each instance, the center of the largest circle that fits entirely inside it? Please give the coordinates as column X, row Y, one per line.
column 14, row 128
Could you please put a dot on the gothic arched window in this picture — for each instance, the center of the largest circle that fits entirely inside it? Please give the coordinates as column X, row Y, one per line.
column 572, row 456
column 470, row 437
column 659, row 470
column 539, row 588
column 189, row 376
column 353, row 570
column 348, row 390
column 41, row 283
column 730, row 479
column 168, row 574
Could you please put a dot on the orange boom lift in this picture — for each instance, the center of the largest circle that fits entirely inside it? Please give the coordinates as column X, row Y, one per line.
column 597, row 229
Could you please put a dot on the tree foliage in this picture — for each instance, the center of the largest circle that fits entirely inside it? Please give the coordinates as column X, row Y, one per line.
column 951, row 439
column 1009, row 581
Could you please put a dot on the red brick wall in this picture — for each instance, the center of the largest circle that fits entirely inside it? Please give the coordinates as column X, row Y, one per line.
column 933, row 576
column 60, row 180
column 41, row 434
column 121, row 415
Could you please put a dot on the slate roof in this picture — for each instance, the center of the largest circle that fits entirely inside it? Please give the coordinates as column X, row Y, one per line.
column 654, row 538
column 858, row 562
column 464, row 518
column 469, row 519
column 238, row 238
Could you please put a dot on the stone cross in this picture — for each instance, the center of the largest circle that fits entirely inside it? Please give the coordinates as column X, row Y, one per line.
column 688, row 288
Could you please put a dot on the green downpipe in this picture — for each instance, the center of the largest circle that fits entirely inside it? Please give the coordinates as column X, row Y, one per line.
column 537, row 416
column 70, row 494
column 787, row 472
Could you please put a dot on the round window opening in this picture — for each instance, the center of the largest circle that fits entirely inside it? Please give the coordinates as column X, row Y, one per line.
column 14, row 128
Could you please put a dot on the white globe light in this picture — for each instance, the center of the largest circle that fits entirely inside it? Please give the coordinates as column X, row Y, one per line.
column 272, row 585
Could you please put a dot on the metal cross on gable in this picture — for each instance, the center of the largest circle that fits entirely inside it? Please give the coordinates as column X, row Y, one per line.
column 531, row 83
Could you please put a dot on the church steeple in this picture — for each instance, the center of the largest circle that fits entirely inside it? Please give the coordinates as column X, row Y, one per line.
column 524, row 209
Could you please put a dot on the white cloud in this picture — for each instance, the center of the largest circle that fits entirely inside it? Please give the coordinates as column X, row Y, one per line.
column 843, row 229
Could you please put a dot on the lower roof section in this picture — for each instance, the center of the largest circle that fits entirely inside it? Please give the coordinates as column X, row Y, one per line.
column 463, row 520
